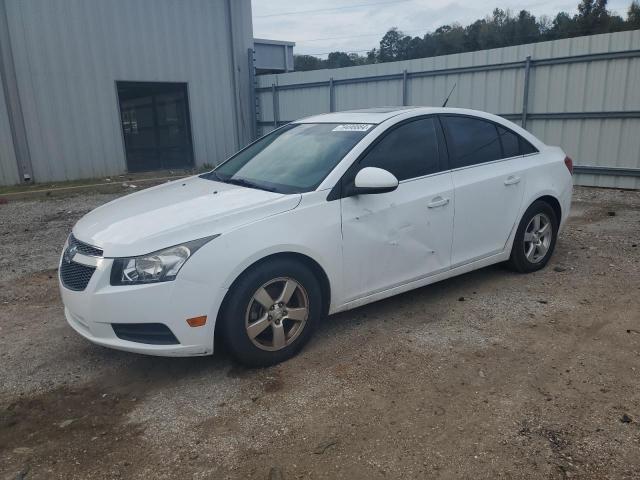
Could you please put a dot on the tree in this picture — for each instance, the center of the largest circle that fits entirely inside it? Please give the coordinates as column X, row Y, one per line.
column 303, row 63
column 526, row 29
column 563, row 26
column 390, row 46
column 593, row 17
column 373, row 55
column 492, row 31
column 633, row 15
column 501, row 28
column 449, row 39
column 357, row 59
column 339, row 60
column 415, row 48
column 545, row 24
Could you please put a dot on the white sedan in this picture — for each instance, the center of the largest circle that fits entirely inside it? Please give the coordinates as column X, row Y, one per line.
column 320, row 216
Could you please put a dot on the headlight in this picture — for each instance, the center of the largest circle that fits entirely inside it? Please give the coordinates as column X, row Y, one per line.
column 160, row 266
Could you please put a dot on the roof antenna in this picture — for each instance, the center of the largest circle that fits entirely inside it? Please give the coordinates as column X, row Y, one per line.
column 447, row 99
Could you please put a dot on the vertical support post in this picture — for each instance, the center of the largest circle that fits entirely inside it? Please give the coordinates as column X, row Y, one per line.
column 404, row 88
column 11, row 94
column 239, row 119
column 525, row 93
column 285, row 50
column 276, row 106
column 332, row 98
column 253, row 97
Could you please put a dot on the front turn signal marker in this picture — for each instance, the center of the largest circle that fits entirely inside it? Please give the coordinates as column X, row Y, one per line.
column 197, row 321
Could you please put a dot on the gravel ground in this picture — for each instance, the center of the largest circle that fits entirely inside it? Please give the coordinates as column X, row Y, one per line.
column 488, row 375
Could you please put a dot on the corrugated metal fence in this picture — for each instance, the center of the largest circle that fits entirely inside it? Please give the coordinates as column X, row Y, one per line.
column 581, row 93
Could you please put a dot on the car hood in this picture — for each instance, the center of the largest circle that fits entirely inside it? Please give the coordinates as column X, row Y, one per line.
column 174, row 213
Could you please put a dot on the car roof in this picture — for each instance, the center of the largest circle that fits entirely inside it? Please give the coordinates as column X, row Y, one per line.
column 365, row 115
column 380, row 114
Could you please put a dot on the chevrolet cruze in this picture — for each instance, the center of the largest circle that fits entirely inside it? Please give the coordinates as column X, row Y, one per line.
column 319, row 216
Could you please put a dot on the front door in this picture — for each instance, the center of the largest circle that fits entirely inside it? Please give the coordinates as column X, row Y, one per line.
column 390, row 239
column 155, row 125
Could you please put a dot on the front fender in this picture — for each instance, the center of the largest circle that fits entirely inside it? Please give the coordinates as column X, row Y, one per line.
column 312, row 229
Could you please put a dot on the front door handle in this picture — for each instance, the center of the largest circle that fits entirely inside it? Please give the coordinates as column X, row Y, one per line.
column 438, row 202
column 512, row 180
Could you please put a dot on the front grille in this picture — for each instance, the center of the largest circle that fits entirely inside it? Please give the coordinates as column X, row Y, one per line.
column 84, row 248
column 75, row 276
column 150, row 333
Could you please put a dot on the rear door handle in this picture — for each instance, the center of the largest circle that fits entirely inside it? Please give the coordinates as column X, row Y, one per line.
column 512, row 180
column 438, row 202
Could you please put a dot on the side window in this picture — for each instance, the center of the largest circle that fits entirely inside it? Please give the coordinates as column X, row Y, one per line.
column 472, row 140
column 526, row 148
column 510, row 143
column 408, row 151
column 513, row 144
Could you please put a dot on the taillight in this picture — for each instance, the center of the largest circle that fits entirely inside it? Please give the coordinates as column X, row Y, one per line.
column 569, row 163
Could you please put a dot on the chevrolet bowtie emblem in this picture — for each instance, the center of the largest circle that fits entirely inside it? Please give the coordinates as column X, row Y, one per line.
column 70, row 253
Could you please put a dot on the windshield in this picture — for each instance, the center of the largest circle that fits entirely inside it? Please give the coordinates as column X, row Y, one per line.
column 295, row 158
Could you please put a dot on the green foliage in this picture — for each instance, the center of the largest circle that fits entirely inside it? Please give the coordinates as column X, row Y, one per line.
column 500, row 29
column 633, row 15
column 308, row 62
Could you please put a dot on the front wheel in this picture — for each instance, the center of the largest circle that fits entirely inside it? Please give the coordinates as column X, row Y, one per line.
column 535, row 238
column 271, row 312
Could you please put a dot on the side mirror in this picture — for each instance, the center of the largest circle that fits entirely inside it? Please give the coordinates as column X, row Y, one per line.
column 374, row 180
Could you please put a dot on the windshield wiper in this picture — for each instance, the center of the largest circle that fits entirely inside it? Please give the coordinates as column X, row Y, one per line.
column 247, row 183
column 212, row 175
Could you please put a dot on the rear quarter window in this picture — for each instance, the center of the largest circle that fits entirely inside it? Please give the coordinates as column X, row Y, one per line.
column 510, row 143
column 513, row 144
column 526, row 148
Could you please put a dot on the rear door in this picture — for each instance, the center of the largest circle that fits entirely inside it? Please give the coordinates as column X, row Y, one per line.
column 488, row 178
column 393, row 238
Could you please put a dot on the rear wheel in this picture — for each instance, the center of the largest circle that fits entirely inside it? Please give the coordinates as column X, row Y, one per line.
column 271, row 312
column 535, row 238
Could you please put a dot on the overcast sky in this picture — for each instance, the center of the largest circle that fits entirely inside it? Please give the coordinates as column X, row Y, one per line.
column 322, row 26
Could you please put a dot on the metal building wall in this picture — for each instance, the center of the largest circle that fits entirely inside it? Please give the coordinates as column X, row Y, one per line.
column 273, row 55
column 68, row 54
column 8, row 166
column 580, row 97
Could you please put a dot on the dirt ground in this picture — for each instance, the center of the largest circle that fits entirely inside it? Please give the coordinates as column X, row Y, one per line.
column 488, row 375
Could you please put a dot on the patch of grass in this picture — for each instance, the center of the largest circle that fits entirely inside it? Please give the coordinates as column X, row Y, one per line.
column 97, row 182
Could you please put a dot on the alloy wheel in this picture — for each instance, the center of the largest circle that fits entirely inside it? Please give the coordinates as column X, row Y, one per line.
column 277, row 313
column 537, row 238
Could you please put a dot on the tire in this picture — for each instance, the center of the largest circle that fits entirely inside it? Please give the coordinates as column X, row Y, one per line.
column 260, row 330
column 532, row 249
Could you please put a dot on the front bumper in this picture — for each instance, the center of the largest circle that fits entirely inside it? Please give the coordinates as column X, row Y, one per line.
column 92, row 311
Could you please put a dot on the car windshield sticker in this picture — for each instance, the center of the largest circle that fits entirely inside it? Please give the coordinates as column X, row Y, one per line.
column 352, row 127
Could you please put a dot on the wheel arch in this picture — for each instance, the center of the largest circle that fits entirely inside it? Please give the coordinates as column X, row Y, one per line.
column 515, row 260
column 553, row 202
column 547, row 197
column 312, row 264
